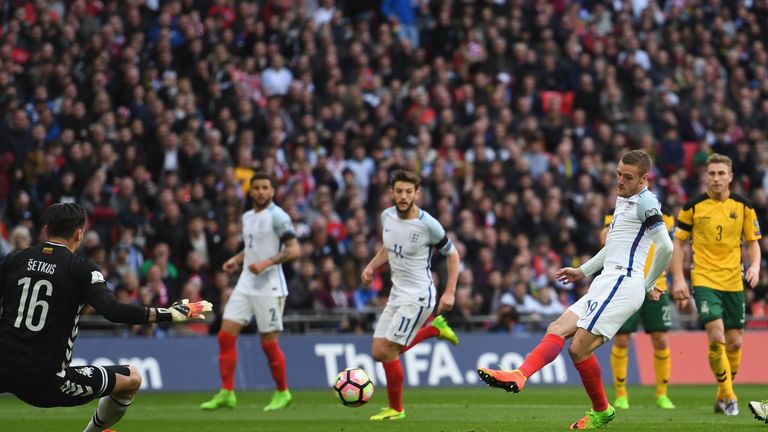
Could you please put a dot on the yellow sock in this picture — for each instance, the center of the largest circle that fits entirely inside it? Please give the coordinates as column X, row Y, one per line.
column 662, row 363
column 619, row 363
column 722, row 370
column 734, row 359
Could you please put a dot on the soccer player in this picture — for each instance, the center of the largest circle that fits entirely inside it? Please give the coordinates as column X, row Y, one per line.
column 43, row 290
column 269, row 241
column 614, row 296
column 657, row 320
column 715, row 222
column 409, row 235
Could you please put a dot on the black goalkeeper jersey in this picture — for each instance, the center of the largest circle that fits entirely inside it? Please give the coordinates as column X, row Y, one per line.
column 43, row 290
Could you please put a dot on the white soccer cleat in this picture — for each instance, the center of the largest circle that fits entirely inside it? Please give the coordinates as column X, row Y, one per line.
column 720, row 406
column 759, row 409
column 731, row 407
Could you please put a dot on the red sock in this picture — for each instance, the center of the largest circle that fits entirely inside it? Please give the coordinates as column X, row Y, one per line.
column 395, row 377
column 227, row 359
column 276, row 361
column 546, row 351
column 425, row 332
column 592, row 378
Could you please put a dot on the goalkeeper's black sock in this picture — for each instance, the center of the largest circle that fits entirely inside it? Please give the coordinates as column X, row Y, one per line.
column 109, row 412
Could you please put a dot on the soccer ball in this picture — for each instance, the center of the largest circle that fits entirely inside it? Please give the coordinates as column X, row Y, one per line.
column 353, row 387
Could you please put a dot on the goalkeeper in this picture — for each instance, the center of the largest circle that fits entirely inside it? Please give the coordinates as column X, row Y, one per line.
column 43, row 289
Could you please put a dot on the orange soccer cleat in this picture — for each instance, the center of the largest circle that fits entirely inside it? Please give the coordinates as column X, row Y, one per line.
column 511, row 381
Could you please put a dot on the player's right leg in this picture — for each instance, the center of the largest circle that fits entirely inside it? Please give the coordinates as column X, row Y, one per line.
column 388, row 353
column 395, row 329
column 545, row 352
column 237, row 314
column 113, row 406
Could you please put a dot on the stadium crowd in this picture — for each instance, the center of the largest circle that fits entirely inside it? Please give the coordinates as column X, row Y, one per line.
column 155, row 115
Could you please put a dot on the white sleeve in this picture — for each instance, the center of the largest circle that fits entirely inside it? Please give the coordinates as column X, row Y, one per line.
column 649, row 211
column 594, row 264
column 437, row 236
column 661, row 257
column 282, row 224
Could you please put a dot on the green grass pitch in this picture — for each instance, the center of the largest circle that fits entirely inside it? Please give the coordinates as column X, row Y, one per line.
column 475, row 409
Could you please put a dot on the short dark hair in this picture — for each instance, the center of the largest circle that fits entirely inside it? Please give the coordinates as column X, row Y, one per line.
column 64, row 218
column 261, row 175
column 406, row 176
column 638, row 158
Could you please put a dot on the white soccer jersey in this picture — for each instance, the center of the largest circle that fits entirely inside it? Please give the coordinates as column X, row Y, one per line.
column 409, row 243
column 263, row 233
column 626, row 244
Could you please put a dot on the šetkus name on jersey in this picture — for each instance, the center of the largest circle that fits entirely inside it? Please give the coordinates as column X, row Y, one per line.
column 40, row 266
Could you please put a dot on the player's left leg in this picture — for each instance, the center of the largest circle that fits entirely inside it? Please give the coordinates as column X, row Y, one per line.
column 113, row 406
column 269, row 318
column 656, row 317
column 733, row 339
column 276, row 360
column 620, row 359
column 619, row 366
column 437, row 327
column 582, row 349
column 733, row 321
column 662, row 364
column 615, row 300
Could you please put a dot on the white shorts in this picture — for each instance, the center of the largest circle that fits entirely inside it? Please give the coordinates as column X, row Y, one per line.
column 610, row 301
column 267, row 310
column 399, row 324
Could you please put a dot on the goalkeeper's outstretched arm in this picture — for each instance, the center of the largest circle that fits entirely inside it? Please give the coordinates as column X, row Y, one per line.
column 105, row 303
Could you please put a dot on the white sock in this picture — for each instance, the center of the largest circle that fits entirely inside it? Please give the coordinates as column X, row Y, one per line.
column 109, row 412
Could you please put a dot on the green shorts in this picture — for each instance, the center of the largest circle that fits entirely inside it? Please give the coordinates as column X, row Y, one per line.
column 726, row 305
column 656, row 316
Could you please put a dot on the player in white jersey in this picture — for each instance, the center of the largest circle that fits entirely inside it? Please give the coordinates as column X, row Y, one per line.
column 269, row 241
column 612, row 297
column 409, row 234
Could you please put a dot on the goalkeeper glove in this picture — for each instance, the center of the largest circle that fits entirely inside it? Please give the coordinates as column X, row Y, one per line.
column 184, row 311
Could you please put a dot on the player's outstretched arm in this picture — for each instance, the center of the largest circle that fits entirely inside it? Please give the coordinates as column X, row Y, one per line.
column 105, row 303
column 378, row 260
column 183, row 311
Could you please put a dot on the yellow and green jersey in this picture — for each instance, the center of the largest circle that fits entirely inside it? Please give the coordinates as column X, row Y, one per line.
column 669, row 222
column 715, row 229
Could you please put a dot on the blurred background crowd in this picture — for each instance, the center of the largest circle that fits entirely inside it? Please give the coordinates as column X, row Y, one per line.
column 155, row 114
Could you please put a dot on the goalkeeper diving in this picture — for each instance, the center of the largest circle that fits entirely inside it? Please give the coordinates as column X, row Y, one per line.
column 43, row 290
